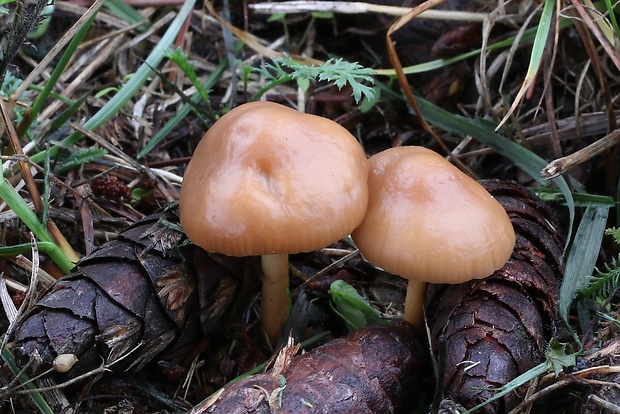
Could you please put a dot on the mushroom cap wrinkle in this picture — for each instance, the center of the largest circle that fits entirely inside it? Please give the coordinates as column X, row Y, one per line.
column 266, row 179
column 428, row 221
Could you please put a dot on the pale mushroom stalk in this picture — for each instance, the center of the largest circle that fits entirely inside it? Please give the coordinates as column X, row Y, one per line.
column 415, row 296
column 275, row 298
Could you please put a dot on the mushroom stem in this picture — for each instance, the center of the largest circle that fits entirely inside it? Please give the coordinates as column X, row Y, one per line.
column 275, row 298
column 414, row 303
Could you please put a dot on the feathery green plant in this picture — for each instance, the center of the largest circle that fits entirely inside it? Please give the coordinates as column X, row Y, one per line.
column 602, row 285
column 339, row 71
column 80, row 157
column 179, row 57
column 615, row 233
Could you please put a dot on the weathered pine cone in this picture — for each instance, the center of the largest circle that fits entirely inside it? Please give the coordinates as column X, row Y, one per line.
column 124, row 304
column 367, row 371
column 487, row 332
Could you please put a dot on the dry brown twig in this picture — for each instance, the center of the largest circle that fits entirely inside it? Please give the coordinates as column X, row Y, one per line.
column 595, row 62
column 559, row 166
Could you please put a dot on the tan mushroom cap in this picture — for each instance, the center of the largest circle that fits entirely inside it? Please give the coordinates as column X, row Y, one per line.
column 428, row 221
column 266, row 179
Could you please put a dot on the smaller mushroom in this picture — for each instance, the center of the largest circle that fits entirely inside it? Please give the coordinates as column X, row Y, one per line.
column 268, row 180
column 429, row 222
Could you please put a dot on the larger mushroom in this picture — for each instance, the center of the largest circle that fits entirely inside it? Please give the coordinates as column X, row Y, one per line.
column 268, row 180
column 429, row 222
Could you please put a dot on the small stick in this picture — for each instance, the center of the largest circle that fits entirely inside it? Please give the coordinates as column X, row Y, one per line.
column 561, row 165
column 596, row 400
column 346, row 7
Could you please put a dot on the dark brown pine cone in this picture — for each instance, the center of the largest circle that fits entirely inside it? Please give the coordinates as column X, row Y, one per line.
column 124, row 304
column 367, row 371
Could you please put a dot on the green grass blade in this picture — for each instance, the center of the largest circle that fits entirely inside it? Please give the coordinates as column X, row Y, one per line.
column 538, row 48
column 53, row 95
column 30, row 219
column 60, row 67
column 185, row 108
column 66, row 115
column 25, row 248
column 19, row 207
column 127, row 13
column 612, row 17
column 36, row 397
column 509, row 387
column 131, row 88
column 582, row 255
column 551, row 195
column 540, row 41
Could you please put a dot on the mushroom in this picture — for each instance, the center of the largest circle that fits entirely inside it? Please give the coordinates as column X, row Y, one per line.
column 429, row 222
column 268, row 180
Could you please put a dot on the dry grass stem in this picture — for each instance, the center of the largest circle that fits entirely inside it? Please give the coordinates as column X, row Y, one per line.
column 561, row 165
column 360, row 7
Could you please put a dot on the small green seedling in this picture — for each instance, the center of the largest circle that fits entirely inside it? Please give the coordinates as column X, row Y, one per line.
column 351, row 306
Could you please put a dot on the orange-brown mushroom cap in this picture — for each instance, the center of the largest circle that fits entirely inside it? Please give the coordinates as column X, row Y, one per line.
column 428, row 221
column 267, row 179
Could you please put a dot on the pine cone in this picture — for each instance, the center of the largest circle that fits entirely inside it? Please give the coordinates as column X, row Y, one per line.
column 367, row 371
column 125, row 303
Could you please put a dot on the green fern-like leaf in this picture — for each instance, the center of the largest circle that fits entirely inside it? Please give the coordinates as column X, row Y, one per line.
column 603, row 284
column 344, row 73
column 273, row 71
column 338, row 71
column 76, row 158
column 179, row 57
column 615, row 233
